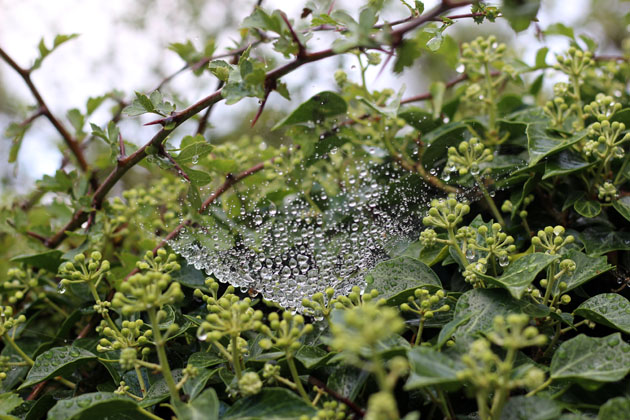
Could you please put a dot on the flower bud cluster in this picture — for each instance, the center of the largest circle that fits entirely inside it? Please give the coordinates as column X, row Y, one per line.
column 332, row 410
column 132, row 337
column 558, row 109
column 446, row 213
column 4, row 367
column 552, row 239
column 425, row 304
column 468, row 157
column 229, row 315
column 481, row 51
column 249, row 384
column 575, row 62
column 382, row 406
column 364, row 326
column 83, row 270
column 8, row 321
column 19, row 281
column 321, row 304
column 494, row 243
column 487, row 372
column 355, row 298
column 603, row 107
column 285, row 333
column 150, row 289
column 162, row 262
column 606, row 140
column 607, row 192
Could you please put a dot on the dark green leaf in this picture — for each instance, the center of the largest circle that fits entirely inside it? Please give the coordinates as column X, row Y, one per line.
column 313, row 357
column 430, row 367
column 615, row 409
column 521, row 273
column 204, row 359
column 47, row 260
column 600, row 240
column 95, row 406
column 316, row 109
column 271, row 404
column 204, row 407
column 586, row 360
column 397, row 278
column 587, row 208
column 610, row 309
column 520, row 12
column 564, row 163
column 622, row 206
column 8, row 402
column 586, row 269
column 541, row 143
column 55, row 362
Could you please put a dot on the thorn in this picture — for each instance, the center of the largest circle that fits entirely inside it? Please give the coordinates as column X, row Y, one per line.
column 262, row 106
column 390, row 54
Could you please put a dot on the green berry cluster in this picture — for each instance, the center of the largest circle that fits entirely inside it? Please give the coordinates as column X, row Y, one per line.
column 285, row 333
column 321, row 304
column 446, row 213
column 552, row 239
column 19, row 282
column 355, row 298
column 249, row 384
column 425, row 305
column 151, row 289
column 468, row 157
column 8, row 321
column 331, row 410
column 83, row 270
column 607, row 192
column 495, row 244
column 133, row 336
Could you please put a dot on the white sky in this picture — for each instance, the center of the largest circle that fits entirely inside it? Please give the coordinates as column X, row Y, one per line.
column 109, row 54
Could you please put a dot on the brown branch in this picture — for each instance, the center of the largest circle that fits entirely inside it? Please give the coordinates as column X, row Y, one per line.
column 301, row 49
column 319, row 384
column 72, row 143
column 178, row 168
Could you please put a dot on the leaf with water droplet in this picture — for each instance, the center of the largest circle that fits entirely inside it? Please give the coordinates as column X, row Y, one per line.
column 271, row 403
column 589, row 361
column 204, row 407
column 615, row 409
column 586, row 268
column 531, row 408
column 596, row 309
column 396, row 279
column 541, row 143
column 56, row 362
column 95, row 405
column 521, row 273
column 317, row 108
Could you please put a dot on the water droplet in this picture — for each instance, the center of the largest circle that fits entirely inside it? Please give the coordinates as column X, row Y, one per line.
column 504, row 260
column 202, row 335
column 61, row 288
column 461, row 68
column 474, row 169
column 470, row 254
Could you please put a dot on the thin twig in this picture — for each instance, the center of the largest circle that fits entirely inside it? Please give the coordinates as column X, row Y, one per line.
column 316, row 382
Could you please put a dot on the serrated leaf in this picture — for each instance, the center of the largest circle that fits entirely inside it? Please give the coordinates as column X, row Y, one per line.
column 521, row 273
column 588, row 360
column 56, row 362
column 193, row 152
column 16, row 133
column 396, row 279
column 95, row 405
column 269, row 404
column 44, row 51
column 430, row 367
column 609, row 309
column 587, row 208
column 316, row 109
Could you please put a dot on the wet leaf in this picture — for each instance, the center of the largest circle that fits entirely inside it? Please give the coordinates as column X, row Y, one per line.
column 95, row 405
column 541, row 143
column 521, row 273
column 271, row 404
column 590, row 360
column 204, row 407
column 610, row 309
column 56, row 362
column 586, row 269
column 431, row 367
column 587, row 208
column 531, row 408
column 47, row 260
column 564, row 163
column 321, row 106
column 615, row 409
column 622, row 205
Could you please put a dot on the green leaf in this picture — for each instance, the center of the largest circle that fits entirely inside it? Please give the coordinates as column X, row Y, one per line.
column 204, row 359
column 586, row 269
column 541, row 143
column 521, row 273
column 622, row 206
column 204, row 407
column 614, row 409
column 221, row 69
column 541, row 56
column 601, row 239
column 396, row 279
column 16, row 133
column 588, row 360
column 56, row 362
column 520, row 12
column 44, row 51
column 564, row 163
column 419, row 119
column 609, row 309
column 158, row 391
column 587, row 208
column 531, row 408
column 270, row 404
column 445, row 136
column 560, row 29
column 437, row 90
column 430, row 367
column 321, row 106
column 313, row 357
column 406, row 54
column 8, row 402
column 47, row 260
column 193, row 152
column 95, row 405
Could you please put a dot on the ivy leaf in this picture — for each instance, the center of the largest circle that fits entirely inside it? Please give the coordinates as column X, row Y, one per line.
column 614, row 409
column 564, row 163
column 47, row 260
column 44, row 51
column 521, row 273
column 541, row 143
column 609, row 309
column 56, row 362
column 204, row 407
column 586, row 269
column 8, row 402
column 622, row 206
column 316, row 109
column 531, row 408
column 587, row 208
column 95, row 405
column 520, row 12
column 600, row 240
column 419, row 119
column 269, row 404
column 430, row 367
column 396, row 279
column 313, row 357
column 590, row 360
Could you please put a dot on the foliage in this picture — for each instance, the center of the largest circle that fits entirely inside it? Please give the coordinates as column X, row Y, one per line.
column 503, row 306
